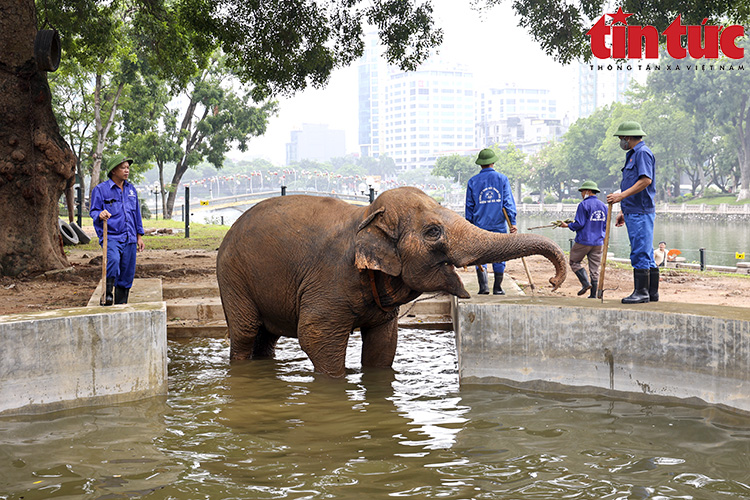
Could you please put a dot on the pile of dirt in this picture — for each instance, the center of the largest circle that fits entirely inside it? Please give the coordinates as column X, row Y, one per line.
column 74, row 287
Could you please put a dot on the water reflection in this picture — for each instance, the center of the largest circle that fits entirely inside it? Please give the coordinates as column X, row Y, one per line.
column 273, row 429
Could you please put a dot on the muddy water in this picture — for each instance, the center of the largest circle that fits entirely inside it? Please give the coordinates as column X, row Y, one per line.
column 272, row 429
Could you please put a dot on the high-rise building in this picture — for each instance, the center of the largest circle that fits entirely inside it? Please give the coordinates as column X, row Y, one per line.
column 416, row 116
column 523, row 116
column 599, row 86
column 315, row 142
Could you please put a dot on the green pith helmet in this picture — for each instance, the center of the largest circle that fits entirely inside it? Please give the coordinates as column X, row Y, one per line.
column 486, row 157
column 590, row 186
column 115, row 161
column 629, row 129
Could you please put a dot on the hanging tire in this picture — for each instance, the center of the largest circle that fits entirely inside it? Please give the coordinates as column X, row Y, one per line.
column 83, row 238
column 47, row 50
column 69, row 236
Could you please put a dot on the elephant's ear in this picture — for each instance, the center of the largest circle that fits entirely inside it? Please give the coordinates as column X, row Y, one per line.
column 375, row 246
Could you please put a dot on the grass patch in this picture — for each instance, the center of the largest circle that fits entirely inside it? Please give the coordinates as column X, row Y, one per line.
column 717, row 200
column 202, row 236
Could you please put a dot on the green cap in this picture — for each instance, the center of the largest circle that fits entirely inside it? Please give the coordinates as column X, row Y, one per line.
column 486, row 157
column 629, row 129
column 115, row 161
column 590, row 186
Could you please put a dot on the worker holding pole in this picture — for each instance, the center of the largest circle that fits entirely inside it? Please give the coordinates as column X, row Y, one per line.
column 590, row 227
column 488, row 193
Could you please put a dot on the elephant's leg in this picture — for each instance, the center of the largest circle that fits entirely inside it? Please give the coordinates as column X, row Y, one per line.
column 379, row 344
column 324, row 342
column 243, row 322
column 265, row 344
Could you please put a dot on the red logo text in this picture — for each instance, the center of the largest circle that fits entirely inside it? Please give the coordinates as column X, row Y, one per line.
column 638, row 42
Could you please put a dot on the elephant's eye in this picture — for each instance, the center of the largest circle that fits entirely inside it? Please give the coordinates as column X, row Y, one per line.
column 433, row 232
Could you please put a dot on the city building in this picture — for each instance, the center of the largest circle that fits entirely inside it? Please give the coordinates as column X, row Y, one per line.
column 527, row 117
column 599, row 85
column 315, row 142
column 416, row 116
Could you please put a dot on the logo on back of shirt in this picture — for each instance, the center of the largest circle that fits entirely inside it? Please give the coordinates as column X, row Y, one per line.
column 598, row 216
column 490, row 195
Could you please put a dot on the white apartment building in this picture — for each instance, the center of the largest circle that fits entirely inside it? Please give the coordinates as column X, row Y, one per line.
column 414, row 117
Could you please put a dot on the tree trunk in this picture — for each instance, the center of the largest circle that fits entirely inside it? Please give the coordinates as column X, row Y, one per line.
column 35, row 161
column 179, row 171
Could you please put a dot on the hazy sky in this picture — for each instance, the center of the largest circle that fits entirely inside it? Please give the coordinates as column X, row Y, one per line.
column 491, row 44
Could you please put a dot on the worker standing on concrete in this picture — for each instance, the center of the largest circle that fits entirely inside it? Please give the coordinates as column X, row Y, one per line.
column 590, row 225
column 116, row 201
column 487, row 194
column 638, row 210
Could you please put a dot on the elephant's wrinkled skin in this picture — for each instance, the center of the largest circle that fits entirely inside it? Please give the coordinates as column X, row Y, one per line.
column 305, row 266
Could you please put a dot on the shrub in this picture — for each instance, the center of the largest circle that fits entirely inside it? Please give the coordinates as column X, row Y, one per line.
column 550, row 199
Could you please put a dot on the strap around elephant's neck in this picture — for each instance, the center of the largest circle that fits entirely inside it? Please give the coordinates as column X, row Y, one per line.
column 374, row 288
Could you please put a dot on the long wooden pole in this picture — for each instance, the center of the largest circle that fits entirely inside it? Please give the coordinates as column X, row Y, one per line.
column 103, row 300
column 604, row 257
column 523, row 259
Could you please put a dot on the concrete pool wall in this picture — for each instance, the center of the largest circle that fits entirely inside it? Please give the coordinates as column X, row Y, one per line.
column 665, row 350
column 86, row 355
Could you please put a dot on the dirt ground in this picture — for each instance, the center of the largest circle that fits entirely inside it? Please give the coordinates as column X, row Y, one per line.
column 73, row 288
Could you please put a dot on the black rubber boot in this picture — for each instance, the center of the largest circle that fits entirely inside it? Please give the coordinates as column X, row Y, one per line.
column 584, row 279
column 653, row 284
column 594, row 285
column 497, row 286
column 121, row 295
column 108, row 297
column 640, row 292
column 484, row 287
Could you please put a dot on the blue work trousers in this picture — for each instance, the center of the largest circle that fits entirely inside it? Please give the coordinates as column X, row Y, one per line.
column 497, row 267
column 121, row 262
column 641, row 235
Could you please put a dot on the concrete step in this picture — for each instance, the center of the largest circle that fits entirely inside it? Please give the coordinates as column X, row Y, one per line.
column 185, row 290
column 203, row 309
column 143, row 290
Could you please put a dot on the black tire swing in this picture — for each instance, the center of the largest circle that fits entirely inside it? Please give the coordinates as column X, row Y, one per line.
column 47, row 50
column 69, row 235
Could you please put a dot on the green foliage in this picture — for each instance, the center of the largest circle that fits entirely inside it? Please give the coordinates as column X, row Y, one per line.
column 283, row 46
column 512, row 162
column 456, row 167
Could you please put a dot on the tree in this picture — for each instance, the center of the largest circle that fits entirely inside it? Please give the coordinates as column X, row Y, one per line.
column 719, row 100
column 35, row 161
column 545, row 165
column 215, row 119
column 512, row 162
column 279, row 46
column 456, row 167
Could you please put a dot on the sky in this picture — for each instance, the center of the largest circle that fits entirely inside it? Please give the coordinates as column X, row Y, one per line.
column 490, row 43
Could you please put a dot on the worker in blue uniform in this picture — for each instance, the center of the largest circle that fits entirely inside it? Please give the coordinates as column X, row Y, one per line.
column 590, row 225
column 487, row 193
column 116, row 201
column 638, row 209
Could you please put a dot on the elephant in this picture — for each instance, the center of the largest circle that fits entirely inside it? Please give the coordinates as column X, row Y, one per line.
column 317, row 268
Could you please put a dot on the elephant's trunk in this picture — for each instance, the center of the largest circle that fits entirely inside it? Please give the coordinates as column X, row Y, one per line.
column 484, row 247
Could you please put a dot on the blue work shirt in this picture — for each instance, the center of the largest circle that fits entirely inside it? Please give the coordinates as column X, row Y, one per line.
column 639, row 161
column 487, row 193
column 125, row 222
column 591, row 222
